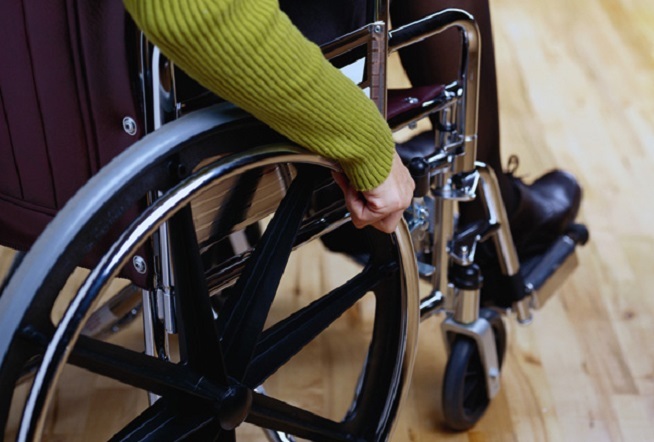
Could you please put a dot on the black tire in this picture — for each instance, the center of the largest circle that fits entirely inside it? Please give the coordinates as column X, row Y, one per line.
column 465, row 397
column 211, row 390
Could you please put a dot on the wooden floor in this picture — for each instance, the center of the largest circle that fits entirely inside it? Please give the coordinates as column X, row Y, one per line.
column 577, row 91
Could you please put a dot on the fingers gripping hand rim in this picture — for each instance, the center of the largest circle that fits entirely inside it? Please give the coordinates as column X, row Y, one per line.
column 383, row 206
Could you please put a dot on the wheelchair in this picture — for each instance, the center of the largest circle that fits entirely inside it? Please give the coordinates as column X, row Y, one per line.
column 191, row 229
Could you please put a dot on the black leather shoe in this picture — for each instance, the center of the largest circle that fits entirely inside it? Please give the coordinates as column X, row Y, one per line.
column 545, row 210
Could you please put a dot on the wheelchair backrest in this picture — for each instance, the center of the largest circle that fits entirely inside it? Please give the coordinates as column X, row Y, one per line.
column 67, row 105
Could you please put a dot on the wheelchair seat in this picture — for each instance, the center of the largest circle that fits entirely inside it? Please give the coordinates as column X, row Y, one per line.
column 411, row 100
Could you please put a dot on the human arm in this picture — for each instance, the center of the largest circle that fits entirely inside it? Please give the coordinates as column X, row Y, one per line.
column 248, row 52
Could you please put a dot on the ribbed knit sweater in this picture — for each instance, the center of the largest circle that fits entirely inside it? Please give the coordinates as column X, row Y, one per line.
column 249, row 53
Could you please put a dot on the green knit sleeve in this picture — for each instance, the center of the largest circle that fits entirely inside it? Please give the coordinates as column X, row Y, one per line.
column 249, row 53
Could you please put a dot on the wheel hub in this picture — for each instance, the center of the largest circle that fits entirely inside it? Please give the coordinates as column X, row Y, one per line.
column 234, row 406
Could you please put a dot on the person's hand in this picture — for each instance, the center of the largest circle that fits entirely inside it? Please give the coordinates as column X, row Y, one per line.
column 381, row 207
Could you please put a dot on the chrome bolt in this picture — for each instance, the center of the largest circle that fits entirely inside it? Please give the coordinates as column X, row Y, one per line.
column 377, row 29
column 464, row 251
column 139, row 264
column 129, row 126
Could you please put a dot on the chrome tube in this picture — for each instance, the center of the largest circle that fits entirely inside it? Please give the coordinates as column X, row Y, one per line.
column 380, row 12
column 375, row 37
column 157, row 78
column 347, row 42
column 376, row 61
column 467, row 306
column 149, row 321
column 467, row 125
column 503, row 240
column 492, row 201
column 163, row 109
column 431, row 305
column 443, row 223
column 469, row 71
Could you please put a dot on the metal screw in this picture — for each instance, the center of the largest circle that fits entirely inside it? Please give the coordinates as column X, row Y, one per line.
column 411, row 100
column 377, row 29
column 464, row 251
column 129, row 126
column 139, row 264
column 494, row 373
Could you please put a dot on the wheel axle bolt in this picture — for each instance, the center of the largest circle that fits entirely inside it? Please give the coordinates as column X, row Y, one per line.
column 234, row 407
column 139, row 264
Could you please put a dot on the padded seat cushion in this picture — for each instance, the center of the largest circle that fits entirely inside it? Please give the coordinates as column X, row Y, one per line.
column 400, row 101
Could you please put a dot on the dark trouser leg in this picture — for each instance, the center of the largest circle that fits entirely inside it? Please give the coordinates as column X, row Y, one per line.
column 437, row 60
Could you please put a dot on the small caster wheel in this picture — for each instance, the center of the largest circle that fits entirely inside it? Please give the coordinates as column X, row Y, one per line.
column 465, row 397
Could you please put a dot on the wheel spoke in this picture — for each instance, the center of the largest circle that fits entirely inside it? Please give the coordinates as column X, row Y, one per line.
column 267, row 412
column 163, row 421
column 142, row 371
column 199, row 342
column 244, row 315
column 286, row 338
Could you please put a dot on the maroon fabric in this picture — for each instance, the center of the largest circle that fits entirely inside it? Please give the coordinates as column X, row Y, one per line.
column 404, row 100
column 65, row 87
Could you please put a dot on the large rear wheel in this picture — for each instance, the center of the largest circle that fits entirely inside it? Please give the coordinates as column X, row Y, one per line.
column 233, row 341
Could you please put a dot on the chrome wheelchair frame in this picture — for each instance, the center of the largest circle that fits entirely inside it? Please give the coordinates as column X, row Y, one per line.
column 192, row 160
